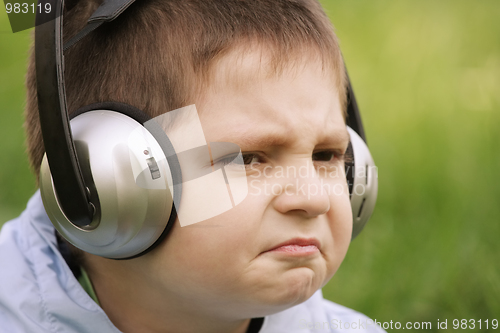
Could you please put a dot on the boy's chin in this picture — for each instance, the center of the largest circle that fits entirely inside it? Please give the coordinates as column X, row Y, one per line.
column 298, row 286
column 293, row 287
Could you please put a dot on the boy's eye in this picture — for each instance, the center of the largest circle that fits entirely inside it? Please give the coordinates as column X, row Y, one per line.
column 326, row 156
column 248, row 159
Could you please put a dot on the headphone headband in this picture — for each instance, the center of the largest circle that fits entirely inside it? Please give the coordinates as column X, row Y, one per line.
column 72, row 192
column 74, row 195
column 353, row 115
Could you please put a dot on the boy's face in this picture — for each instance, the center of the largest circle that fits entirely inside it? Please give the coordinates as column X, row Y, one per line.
column 291, row 130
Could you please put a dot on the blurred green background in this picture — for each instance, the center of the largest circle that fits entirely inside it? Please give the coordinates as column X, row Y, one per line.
column 17, row 183
column 427, row 78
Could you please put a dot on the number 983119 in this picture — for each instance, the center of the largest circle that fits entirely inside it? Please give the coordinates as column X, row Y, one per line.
column 27, row 8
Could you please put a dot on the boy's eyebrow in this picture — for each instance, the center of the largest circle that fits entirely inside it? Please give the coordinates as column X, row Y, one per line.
column 268, row 140
column 275, row 139
column 251, row 140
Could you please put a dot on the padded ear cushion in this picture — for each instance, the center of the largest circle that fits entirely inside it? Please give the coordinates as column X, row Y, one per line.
column 349, row 166
column 159, row 135
column 363, row 185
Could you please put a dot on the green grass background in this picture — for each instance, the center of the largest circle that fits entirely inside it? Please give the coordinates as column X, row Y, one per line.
column 427, row 77
column 17, row 183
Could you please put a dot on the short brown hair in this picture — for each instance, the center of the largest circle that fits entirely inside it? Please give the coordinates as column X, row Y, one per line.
column 158, row 53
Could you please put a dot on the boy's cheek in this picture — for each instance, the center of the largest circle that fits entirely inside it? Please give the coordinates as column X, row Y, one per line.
column 340, row 224
column 205, row 248
column 336, row 252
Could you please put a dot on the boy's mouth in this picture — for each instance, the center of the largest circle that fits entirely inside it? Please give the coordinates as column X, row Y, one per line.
column 297, row 247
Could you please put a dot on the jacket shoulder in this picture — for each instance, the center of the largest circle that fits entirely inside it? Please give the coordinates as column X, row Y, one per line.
column 319, row 315
column 343, row 319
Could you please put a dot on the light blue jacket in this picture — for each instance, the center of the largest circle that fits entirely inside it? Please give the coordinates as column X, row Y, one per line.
column 39, row 293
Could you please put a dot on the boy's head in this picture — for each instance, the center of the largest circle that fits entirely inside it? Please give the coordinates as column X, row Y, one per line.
column 267, row 75
column 160, row 55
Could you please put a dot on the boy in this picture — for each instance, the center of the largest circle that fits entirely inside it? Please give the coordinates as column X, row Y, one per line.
column 266, row 75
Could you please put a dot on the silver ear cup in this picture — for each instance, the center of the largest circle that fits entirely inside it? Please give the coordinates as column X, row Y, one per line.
column 365, row 183
column 132, row 178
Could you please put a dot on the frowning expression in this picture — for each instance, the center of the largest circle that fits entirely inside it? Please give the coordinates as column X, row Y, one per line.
column 290, row 234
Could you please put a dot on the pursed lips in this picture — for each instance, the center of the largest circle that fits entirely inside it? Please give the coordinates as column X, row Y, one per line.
column 297, row 246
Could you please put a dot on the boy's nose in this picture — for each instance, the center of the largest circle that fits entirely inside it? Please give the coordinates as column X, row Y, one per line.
column 304, row 196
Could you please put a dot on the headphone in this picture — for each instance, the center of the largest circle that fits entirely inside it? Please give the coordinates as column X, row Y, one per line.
column 86, row 180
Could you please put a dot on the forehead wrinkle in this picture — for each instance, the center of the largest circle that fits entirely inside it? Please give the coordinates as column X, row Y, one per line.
column 262, row 141
column 337, row 136
column 334, row 130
